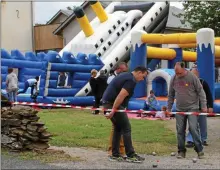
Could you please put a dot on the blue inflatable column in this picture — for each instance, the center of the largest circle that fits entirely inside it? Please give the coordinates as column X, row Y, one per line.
column 138, row 58
column 178, row 58
column 205, row 56
column 153, row 63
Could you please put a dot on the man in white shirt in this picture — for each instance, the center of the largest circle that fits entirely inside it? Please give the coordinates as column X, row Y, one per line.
column 12, row 85
column 121, row 67
column 33, row 83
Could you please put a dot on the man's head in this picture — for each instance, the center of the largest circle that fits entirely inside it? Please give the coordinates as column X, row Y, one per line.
column 121, row 67
column 94, row 73
column 195, row 71
column 180, row 69
column 164, row 108
column 139, row 73
column 10, row 70
column 37, row 78
column 62, row 73
column 151, row 93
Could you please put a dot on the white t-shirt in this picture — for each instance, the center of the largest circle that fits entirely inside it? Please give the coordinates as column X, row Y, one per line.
column 31, row 82
column 110, row 78
column 160, row 114
column 12, row 81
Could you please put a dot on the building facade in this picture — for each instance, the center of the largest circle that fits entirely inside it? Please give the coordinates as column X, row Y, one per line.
column 17, row 26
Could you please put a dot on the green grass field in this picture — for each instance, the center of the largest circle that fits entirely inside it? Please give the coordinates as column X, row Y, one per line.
column 77, row 128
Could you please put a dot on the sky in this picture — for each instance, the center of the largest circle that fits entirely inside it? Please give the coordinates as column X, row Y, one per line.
column 44, row 11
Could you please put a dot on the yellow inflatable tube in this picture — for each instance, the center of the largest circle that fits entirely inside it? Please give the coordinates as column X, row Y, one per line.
column 85, row 26
column 99, row 11
column 161, row 53
column 83, row 21
column 169, row 54
column 168, row 38
column 217, row 48
column 182, row 38
column 189, row 56
column 217, row 52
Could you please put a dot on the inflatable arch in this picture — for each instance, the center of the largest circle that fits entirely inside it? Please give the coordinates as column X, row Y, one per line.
column 160, row 88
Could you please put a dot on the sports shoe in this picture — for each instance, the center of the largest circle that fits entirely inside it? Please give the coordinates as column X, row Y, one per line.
column 135, row 158
column 201, row 155
column 204, row 143
column 190, row 144
column 115, row 158
column 181, row 155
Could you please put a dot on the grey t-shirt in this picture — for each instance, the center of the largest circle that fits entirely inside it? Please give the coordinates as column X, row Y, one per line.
column 188, row 91
column 12, row 82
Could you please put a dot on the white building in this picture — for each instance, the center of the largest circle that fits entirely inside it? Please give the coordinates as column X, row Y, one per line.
column 17, row 26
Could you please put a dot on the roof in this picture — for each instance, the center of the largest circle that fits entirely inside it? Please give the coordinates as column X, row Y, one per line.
column 72, row 17
column 67, row 12
column 64, row 12
column 176, row 21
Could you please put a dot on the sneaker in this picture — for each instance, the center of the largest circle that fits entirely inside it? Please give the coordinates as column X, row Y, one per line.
column 201, row 155
column 204, row 143
column 135, row 158
column 190, row 144
column 181, row 155
column 115, row 158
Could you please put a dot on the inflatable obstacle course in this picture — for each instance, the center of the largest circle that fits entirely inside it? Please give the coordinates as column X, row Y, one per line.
column 48, row 66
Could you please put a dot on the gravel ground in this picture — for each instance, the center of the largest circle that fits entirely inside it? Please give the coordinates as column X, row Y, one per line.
column 16, row 163
column 97, row 159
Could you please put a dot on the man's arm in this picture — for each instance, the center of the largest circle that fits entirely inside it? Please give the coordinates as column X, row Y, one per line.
column 125, row 91
column 171, row 95
column 201, row 93
column 120, row 98
column 208, row 94
column 118, row 101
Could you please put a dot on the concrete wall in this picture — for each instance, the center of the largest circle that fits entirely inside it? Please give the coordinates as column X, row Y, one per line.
column 17, row 26
column 73, row 28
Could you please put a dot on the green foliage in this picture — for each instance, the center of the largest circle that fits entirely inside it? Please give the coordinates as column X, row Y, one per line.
column 203, row 14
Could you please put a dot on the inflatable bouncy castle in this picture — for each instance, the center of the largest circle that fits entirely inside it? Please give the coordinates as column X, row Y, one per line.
column 102, row 43
column 118, row 33
column 48, row 66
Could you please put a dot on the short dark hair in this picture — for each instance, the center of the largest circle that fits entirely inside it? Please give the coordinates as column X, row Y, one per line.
column 140, row 68
column 37, row 77
column 151, row 91
column 10, row 70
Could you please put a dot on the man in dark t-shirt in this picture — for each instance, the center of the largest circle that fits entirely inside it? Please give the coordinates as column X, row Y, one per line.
column 114, row 88
column 116, row 96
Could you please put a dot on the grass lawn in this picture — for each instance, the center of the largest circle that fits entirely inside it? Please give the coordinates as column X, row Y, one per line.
column 77, row 128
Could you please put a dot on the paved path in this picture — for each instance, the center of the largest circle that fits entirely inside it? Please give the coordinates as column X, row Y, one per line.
column 9, row 162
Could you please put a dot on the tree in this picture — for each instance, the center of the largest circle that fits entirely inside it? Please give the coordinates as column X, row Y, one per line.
column 203, row 14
